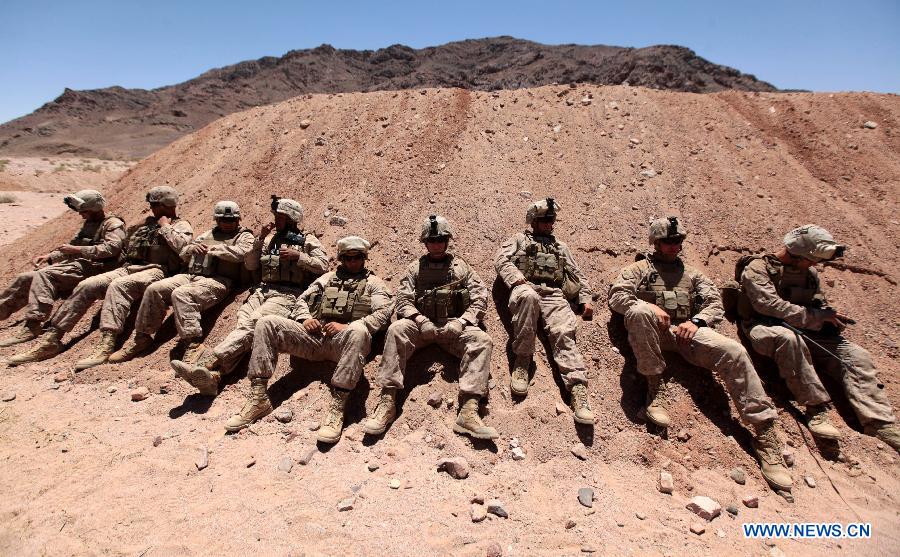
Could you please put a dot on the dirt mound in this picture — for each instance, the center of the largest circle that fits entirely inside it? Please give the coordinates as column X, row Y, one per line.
column 132, row 123
column 740, row 168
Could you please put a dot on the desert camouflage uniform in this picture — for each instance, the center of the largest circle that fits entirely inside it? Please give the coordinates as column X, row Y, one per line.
column 529, row 303
column 708, row 349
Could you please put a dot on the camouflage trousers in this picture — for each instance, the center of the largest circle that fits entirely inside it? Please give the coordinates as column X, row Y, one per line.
column 38, row 290
column 530, row 305
column 708, row 349
column 797, row 362
column 189, row 295
column 119, row 289
column 275, row 335
column 473, row 347
column 262, row 301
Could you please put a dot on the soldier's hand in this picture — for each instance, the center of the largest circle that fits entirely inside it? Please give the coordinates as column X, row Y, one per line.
column 662, row 318
column 39, row 260
column 835, row 319
column 288, row 254
column 429, row 330
column 69, row 249
column 587, row 313
column 200, row 249
column 332, row 329
column 265, row 230
column 684, row 332
column 163, row 220
column 453, row 328
column 313, row 326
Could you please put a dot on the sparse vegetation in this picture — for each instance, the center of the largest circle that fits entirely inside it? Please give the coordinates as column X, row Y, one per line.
column 3, row 163
column 6, row 197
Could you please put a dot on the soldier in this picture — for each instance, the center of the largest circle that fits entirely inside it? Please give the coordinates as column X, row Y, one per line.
column 543, row 276
column 215, row 263
column 95, row 249
column 784, row 314
column 672, row 307
column 290, row 259
column 440, row 300
column 333, row 320
column 151, row 254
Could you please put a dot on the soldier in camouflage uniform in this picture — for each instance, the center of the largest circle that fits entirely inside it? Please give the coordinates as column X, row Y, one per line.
column 543, row 277
column 95, row 249
column 441, row 300
column 781, row 290
column 151, row 254
column 333, row 320
column 215, row 263
column 671, row 307
column 290, row 259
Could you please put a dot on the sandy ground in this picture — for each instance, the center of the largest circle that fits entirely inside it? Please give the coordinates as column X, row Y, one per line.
column 87, row 471
column 58, row 174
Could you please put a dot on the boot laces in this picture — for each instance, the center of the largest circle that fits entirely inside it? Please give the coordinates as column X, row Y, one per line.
column 769, row 446
column 660, row 395
column 384, row 405
column 579, row 396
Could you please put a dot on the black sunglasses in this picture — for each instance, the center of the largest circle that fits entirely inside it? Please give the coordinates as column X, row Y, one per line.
column 356, row 257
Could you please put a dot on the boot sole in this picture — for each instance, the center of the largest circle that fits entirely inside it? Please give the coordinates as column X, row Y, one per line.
column 826, row 437
column 82, row 367
column 583, row 421
column 370, row 431
column 4, row 344
column 460, row 429
column 328, row 440
column 517, row 392
column 777, row 486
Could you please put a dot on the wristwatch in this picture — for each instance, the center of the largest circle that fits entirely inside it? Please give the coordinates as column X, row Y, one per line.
column 698, row 322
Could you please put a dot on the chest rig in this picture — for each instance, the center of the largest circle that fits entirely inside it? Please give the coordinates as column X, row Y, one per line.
column 278, row 271
column 147, row 245
column 797, row 286
column 541, row 262
column 344, row 299
column 440, row 294
column 207, row 265
column 669, row 287
column 92, row 233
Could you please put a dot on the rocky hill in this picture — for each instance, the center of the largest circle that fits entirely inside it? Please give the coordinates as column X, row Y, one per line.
column 132, row 123
column 88, row 471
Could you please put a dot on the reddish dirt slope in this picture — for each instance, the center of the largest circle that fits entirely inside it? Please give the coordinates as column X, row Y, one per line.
column 83, row 474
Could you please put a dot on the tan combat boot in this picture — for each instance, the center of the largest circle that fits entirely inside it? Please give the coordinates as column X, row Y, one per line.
column 192, row 350
column 889, row 433
column 768, row 450
column 333, row 422
column 28, row 330
column 105, row 347
column 581, row 405
column 384, row 412
column 256, row 407
column 48, row 345
column 657, row 395
column 518, row 382
column 140, row 343
column 818, row 424
column 468, row 422
column 202, row 378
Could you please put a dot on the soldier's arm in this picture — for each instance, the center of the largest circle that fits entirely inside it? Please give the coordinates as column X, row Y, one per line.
column 251, row 260
column 301, row 311
column 177, row 235
column 503, row 263
column 110, row 245
column 186, row 251
column 622, row 292
column 312, row 256
column 585, row 295
column 711, row 311
column 478, row 296
column 406, row 293
column 764, row 298
column 382, row 306
column 234, row 252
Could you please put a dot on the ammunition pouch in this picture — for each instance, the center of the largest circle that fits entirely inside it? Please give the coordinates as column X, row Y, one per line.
column 443, row 303
column 342, row 301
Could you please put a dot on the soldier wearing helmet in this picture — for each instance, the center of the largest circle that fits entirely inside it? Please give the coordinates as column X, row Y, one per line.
column 93, row 250
column 545, row 280
column 782, row 290
column 672, row 307
column 214, row 266
column 441, row 300
column 151, row 253
column 289, row 259
column 334, row 320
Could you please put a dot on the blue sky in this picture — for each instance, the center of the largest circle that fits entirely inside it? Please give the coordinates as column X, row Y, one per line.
column 818, row 45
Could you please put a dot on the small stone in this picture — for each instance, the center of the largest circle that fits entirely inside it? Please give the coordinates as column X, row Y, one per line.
column 640, row 515
column 394, row 484
column 513, row 443
column 304, row 124
column 580, row 451
column 495, row 507
column 284, row 415
column 202, row 459
column 157, row 441
column 478, row 513
column 251, row 460
column 588, row 549
column 525, row 194
column 285, row 464
column 320, row 141
column 338, row 221
column 648, row 173
column 666, row 483
column 561, row 409
column 306, row 457
column 435, row 399
column 570, row 524
column 750, row 501
column 557, row 128
column 704, row 507
column 738, row 475
column 698, row 528
column 313, row 426
column 518, row 454
column 373, row 466
column 788, row 457
column 810, row 481
column 586, row 497
column 111, row 389
column 732, row 510
column 870, row 125
column 457, row 467
column 141, row 393
column 683, row 435
column 8, row 397
column 347, row 504
column 477, row 499
column 61, row 376
column 635, row 141
column 493, row 550
column 585, row 101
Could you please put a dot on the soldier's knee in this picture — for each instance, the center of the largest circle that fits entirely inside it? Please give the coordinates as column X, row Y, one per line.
column 482, row 339
column 180, row 295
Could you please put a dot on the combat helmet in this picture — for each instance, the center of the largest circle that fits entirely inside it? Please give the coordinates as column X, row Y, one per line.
column 814, row 243
column 226, row 210
column 164, row 195
column 85, row 200
column 543, row 208
column 435, row 226
column 666, row 228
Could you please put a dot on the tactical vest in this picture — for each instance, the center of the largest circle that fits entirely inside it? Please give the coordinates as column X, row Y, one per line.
column 668, row 286
column 343, row 300
column 147, row 246
column 211, row 266
column 797, row 286
column 92, row 233
column 542, row 263
column 278, row 271
column 439, row 294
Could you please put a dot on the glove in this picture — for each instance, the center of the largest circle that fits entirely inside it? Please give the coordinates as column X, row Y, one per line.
column 428, row 330
column 452, row 329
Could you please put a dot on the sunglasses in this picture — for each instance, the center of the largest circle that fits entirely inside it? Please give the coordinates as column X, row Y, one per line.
column 672, row 241
column 435, row 240
column 357, row 257
column 551, row 220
